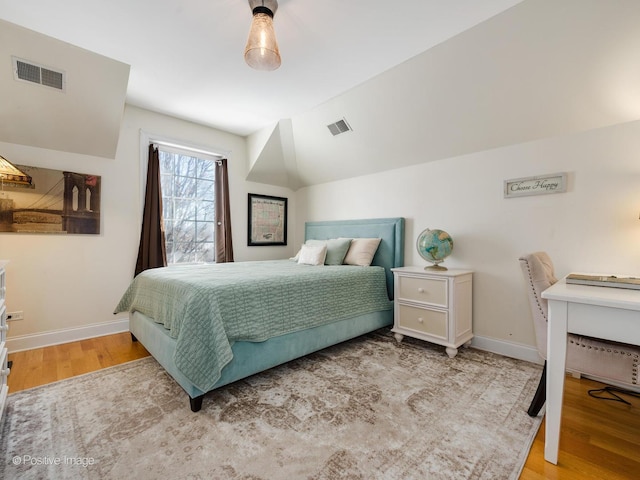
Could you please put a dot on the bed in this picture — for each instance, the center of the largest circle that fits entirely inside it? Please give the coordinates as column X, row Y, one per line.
column 199, row 363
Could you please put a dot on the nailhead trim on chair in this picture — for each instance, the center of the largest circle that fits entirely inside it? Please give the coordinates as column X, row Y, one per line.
column 636, row 358
column 534, row 291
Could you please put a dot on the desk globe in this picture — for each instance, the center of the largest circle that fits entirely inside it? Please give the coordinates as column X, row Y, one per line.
column 434, row 246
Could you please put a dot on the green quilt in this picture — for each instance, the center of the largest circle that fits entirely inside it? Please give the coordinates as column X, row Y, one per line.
column 207, row 308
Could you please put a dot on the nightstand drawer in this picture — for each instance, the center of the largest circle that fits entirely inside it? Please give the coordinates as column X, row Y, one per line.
column 3, row 323
column 424, row 290
column 4, row 354
column 4, row 370
column 432, row 322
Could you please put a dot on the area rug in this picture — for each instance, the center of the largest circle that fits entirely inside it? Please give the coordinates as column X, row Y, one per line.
column 366, row 409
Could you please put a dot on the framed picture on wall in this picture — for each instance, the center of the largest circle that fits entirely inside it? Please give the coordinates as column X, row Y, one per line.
column 267, row 220
column 539, row 185
column 43, row 200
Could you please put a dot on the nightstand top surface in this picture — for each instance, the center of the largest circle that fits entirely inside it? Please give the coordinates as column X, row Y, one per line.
column 451, row 272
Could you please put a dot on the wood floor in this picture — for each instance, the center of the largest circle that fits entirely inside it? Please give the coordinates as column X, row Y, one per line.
column 600, row 439
column 39, row 366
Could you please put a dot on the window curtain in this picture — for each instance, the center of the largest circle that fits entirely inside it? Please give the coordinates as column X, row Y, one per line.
column 224, row 247
column 152, row 252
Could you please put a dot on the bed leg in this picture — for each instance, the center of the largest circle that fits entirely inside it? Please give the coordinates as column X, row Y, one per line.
column 196, row 403
column 133, row 337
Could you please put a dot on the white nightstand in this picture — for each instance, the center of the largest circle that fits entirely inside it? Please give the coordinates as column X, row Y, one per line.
column 4, row 370
column 433, row 305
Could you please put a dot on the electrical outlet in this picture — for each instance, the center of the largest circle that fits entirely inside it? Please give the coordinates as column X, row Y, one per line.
column 13, row 316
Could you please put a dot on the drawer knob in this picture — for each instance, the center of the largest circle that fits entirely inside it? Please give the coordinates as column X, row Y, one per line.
column 420, row 320
column 420, row 290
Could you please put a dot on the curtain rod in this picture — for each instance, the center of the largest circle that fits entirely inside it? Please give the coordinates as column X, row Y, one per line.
column 182, row 146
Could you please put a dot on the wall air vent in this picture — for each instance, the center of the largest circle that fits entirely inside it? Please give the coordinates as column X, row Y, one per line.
column 27, row 71
column 339, row 127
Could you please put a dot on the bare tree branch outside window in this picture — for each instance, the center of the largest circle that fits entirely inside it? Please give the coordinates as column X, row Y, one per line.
column 188, row 207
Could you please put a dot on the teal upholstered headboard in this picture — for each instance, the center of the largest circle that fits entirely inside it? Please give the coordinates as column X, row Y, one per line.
column 390, row 253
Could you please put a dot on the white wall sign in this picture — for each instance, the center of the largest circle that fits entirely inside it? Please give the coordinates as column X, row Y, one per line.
column 541, row 185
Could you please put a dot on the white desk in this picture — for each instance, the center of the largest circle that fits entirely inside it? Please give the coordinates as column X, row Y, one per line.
column 600, row 312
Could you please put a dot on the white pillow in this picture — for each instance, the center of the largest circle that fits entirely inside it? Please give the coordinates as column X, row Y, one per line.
column 312, row 254
column 361, row 251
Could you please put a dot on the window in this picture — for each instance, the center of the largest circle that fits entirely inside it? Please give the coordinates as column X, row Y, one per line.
column 188, row 203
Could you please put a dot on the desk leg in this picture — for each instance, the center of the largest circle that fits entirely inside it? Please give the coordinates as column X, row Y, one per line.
column 556, row 362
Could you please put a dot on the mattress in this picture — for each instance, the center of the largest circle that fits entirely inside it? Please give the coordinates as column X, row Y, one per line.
column 207, row 308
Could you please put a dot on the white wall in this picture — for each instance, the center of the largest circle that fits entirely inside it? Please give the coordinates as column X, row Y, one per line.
column 593, row 227
column 68, row 285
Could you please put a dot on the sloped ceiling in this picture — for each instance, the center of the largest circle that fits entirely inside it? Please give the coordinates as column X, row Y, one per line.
column 273, row 154
column 83, row 118
column 540, row 69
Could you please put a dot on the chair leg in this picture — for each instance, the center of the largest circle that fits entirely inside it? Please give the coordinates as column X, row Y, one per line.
column 541, row 394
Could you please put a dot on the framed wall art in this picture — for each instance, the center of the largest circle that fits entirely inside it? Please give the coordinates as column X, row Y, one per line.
column 539, row 185
column 42, row 200
column 267, row 220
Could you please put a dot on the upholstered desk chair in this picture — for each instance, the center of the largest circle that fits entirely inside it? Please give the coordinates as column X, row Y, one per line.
column 605, row 360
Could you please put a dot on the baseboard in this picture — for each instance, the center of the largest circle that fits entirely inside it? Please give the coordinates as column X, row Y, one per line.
column 57, row 337
column 508, row 349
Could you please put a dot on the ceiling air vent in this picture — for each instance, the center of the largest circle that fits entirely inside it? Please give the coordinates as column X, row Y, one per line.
column 339, row 127
column 28, row 71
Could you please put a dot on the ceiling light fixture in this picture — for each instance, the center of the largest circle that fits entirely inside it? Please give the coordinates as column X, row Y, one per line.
column 262, row 51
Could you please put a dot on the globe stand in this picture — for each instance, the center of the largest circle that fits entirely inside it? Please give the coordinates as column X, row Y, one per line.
column 436, row 267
